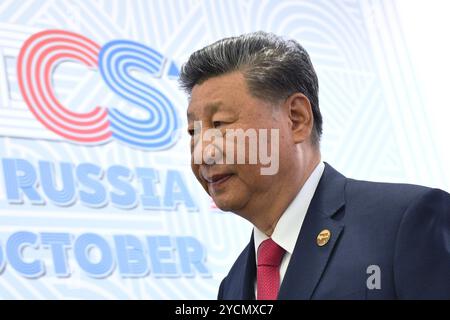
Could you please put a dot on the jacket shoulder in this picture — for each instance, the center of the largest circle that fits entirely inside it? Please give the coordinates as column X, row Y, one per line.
column 369, row 194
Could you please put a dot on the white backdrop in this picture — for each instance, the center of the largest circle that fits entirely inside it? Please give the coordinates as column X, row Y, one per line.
column 138, row 225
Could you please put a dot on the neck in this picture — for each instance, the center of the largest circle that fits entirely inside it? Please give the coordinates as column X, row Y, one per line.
column 268, row 209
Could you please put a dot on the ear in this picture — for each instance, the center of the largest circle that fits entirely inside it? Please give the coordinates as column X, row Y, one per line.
column 300, row 116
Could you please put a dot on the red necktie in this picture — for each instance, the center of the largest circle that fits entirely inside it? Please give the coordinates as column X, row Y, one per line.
column 270, row 255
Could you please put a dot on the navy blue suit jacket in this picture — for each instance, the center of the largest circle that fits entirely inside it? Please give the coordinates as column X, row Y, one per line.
column 403, row 229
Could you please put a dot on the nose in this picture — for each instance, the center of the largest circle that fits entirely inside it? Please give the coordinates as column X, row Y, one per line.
column 212, row 154
column 207, row 146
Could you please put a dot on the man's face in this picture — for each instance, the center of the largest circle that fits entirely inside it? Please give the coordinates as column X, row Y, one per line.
column 224, row 102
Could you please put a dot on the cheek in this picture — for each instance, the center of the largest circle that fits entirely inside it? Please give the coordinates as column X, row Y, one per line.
column 250, row 178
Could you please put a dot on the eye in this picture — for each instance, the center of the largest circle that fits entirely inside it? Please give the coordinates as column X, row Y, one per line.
column 217, row 124
column 191, row 132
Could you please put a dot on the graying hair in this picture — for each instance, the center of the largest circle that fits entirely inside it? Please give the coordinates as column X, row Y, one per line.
column 274, row 69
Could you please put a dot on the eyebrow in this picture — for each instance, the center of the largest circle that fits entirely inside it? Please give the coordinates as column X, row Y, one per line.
column 213, row 107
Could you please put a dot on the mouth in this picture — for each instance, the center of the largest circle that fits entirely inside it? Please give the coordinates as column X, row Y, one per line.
column 218, row 179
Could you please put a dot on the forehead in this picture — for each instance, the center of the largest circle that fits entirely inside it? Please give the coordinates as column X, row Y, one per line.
column 218, row 93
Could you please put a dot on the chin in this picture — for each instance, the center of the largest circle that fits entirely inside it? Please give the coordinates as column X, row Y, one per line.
column 232, row 205
column 224, row 204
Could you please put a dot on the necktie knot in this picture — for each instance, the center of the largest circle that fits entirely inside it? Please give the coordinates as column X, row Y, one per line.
column 270, row 253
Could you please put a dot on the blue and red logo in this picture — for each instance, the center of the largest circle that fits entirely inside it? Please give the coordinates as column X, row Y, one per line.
column 116, row 60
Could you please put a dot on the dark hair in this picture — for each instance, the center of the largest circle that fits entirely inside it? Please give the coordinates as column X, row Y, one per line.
column 273, row 67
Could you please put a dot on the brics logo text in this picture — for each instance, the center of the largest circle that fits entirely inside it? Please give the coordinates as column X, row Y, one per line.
column 116, row 60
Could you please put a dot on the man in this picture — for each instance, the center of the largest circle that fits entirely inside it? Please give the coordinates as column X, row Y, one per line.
column 317, row 234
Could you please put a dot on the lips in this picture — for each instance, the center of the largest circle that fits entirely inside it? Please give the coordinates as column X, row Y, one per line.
column 217, row 178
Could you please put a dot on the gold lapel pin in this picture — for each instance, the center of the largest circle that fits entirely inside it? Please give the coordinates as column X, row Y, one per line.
column 323, row 237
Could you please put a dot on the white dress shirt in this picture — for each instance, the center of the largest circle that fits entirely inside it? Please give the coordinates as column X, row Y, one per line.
column 288, row 227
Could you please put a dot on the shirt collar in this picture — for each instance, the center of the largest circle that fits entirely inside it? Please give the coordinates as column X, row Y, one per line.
column 288, row 227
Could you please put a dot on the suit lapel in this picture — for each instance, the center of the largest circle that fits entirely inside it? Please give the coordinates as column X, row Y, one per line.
column 308, row 261
column 248, row 291
column 243, row 284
